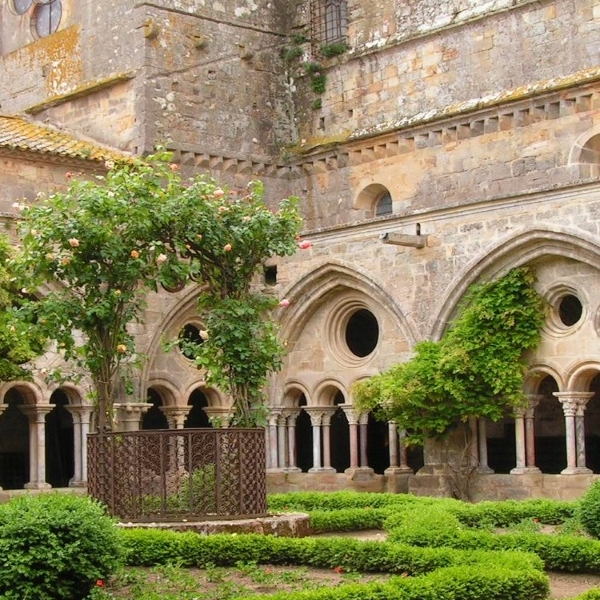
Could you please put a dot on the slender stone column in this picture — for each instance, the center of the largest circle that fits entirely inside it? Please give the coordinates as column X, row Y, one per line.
column 36, row 413
column 175, row 415
column 352, row 416
column 519, row 441
column 403, row 452
column 572, row 404
column 363, row 423
column 397, row 450
column 272, row 455
column 530, row 434
column 82, row 415
column 291, row 416
column 281, row 441
column 358, row 454
column 393, row 444
column 482, row 447
column 328, row 412
column 130, row 414
column 316, row 418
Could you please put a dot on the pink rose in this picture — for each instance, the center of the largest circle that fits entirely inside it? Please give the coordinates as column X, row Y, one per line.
column 304, row 245
column 227, row 247
column 218, row 193
column 285, row 302
column 73, row 242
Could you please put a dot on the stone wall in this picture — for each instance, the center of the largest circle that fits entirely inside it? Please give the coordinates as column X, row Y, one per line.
column 418, row 59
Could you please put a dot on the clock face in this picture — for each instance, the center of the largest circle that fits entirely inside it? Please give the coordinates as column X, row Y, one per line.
column 44, row 15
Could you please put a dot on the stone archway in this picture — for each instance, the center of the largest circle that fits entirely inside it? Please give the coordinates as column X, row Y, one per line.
column 14, row 443
column 60, row 442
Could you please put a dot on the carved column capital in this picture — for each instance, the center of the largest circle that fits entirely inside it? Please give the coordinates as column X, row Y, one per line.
column 351, row 412
column 274, row 413
column 318, row 413
column 573, row 403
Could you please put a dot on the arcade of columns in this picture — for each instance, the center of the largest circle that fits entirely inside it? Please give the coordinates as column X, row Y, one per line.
column 281, row 436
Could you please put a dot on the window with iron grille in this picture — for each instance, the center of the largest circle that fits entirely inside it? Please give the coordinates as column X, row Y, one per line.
column 328, row 23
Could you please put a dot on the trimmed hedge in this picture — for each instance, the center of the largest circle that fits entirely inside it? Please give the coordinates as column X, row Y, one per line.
column 454, row 583
column 483, row 514
column 148, row 547
column 55, row 547
column 589, row 510
column 437, row 528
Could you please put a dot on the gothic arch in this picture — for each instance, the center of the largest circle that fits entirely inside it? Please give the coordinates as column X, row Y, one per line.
column 185, row 305
column 310, row 292
column 516, row 251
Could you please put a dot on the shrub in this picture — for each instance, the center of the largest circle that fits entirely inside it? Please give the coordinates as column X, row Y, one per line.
column 589, row 510
column 54, row 547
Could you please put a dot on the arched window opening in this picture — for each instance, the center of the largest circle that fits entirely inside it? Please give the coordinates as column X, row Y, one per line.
column 592, row 427
column 550, row 433
column 60, row 453
column 304, row 438
column 383, row 205
column 340, row 437
column 155, row 418
column 590, row 157
column 14, row 444
column 197, row 417
column 328, row 24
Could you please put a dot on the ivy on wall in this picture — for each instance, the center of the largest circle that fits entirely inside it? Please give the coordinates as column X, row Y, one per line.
column 475, row 370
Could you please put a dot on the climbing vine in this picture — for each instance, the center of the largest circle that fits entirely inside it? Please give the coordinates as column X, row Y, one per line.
column 475, row 370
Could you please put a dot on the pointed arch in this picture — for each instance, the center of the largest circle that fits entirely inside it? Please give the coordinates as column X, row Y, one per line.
column 311, row 291
column 516, row 251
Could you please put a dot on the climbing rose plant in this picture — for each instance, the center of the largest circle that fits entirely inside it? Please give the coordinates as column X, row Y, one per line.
column 221, row 238
column 99, row 247
column 475, row 370
column 93, row 249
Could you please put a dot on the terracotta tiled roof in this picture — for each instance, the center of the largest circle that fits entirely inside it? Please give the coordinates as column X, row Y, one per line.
column 19, row 134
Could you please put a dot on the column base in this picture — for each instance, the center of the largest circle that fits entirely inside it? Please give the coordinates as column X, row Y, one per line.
column 398, row 471
column 576, row 471
column 292, row 470
column 485, row 469
column 321, row 470
column 359, row 473
column 524, row 470
column 274, row 470
column 77, row 484
column 37, row 485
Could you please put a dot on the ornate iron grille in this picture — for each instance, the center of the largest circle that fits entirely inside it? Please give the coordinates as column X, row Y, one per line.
column 179, row 474
column 328, row 23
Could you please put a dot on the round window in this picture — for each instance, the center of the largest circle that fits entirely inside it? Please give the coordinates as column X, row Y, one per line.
column 21, row 6
column 567, row 310
column 46, row 18
column 362, row 332
column 188, row 337
column 570, row 310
